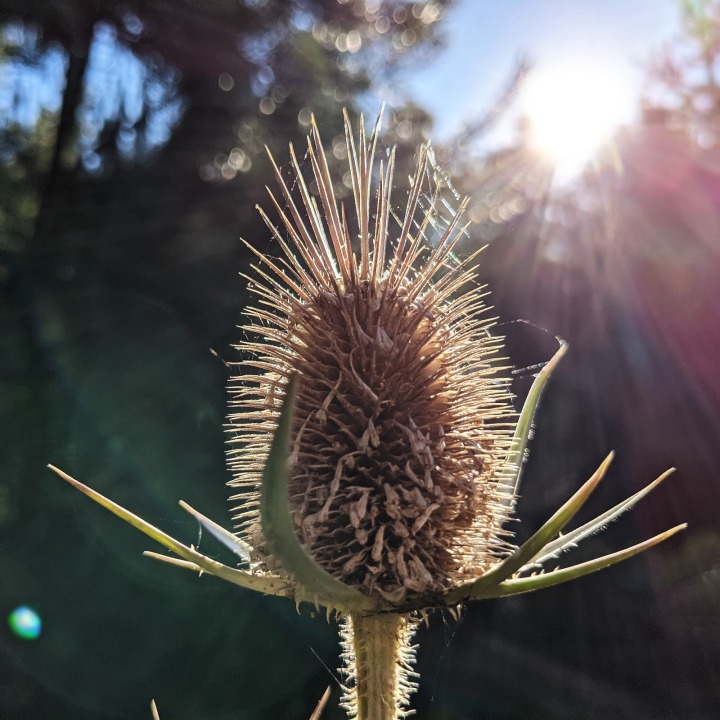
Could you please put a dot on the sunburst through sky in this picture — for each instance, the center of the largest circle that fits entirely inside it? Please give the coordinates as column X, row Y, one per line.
column 589, row 63
column 574, row 110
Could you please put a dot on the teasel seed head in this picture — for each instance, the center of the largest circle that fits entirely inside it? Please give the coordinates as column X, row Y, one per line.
column 372, row 370
column 402, row 422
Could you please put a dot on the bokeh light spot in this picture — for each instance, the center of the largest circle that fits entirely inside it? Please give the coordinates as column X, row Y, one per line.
column 226, row 82
column 267, row 106
column 382, row 24
column 304, row 117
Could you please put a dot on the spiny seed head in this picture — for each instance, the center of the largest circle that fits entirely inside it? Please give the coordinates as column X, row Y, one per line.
column 402, row 426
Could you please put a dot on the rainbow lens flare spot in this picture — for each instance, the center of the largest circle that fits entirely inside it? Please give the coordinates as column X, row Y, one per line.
column 25, row 623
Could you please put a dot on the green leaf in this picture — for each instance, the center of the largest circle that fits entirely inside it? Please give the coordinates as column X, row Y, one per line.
column 279, row 530
column 268, row 584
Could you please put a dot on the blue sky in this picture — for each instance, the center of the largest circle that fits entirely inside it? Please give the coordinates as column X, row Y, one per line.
column 485, row 38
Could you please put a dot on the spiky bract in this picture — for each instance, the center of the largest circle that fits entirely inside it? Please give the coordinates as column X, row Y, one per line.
column 401, row 427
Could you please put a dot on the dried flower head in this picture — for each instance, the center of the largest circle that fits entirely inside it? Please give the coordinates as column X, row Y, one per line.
column 401, row 431
column 373, row 453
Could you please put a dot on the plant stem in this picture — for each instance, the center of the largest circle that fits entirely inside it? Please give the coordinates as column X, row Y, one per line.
column 380, row 645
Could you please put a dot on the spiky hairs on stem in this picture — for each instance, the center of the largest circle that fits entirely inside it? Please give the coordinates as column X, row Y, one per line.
column 401, row 428
column 378, row 658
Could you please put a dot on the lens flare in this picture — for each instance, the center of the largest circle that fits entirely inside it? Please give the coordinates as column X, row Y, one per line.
column 25, row 623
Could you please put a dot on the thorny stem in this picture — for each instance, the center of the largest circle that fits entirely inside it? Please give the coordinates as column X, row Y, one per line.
column 380, row 647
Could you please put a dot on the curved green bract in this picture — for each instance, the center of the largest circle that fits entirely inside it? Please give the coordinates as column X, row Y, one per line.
column 516, row 586
column 571, row 539
column 279, row 530
column 502, row 580
column 516, row 460
column 268, row 584
column 530, row 549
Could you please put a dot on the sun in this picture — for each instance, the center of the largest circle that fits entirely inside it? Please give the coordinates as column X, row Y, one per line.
column 574, row 109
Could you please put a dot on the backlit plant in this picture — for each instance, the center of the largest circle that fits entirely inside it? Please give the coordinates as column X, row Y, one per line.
column 375, row 453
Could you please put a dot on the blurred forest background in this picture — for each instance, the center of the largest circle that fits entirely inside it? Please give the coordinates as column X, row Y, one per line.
column 131, row 161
